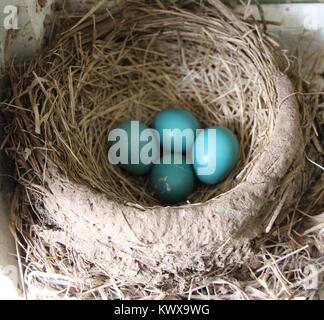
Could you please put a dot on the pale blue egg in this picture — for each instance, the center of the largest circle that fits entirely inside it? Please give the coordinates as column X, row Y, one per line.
column 215, row 153
column 173, row 180
column 134, row 146
column 171, row 123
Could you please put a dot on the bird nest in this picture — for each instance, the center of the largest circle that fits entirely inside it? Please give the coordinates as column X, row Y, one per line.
column 130, row 62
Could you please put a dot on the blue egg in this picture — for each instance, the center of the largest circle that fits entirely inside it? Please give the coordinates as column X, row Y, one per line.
column 215, row 153
column 135, row 161
column 171, row 123
column 173, row 180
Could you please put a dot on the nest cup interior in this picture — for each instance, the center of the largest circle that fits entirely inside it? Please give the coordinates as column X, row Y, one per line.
column 130, row 64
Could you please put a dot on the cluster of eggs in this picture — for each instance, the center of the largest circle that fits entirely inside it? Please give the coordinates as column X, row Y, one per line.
column 184, row 157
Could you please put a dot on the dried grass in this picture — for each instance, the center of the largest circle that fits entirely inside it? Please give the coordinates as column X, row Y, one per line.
column 100, row 73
